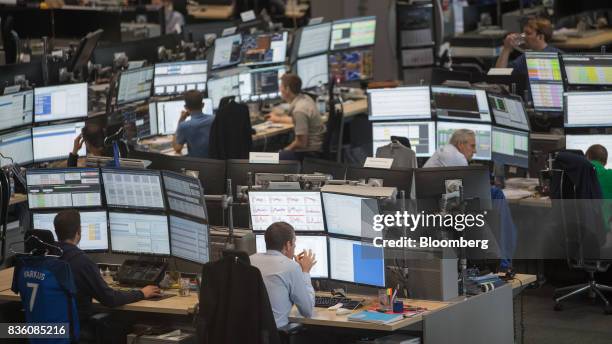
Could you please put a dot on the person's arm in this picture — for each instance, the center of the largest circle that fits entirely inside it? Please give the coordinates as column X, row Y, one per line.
column 302, row 293
column 73, row 157
column 276, row 116
column 504, row 56
column 108, row 296
column 300, row 120
column 179, row 140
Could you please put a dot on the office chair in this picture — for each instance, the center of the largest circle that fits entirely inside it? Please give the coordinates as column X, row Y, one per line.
column 577, row 205
column 332, row 140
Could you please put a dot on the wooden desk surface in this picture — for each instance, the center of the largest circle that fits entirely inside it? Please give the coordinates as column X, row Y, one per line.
column 591, row 42
column 541, row 202
column 18, row 198
column 211, row 11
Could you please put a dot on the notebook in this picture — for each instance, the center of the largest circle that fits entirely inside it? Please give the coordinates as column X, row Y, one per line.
column 375, row 317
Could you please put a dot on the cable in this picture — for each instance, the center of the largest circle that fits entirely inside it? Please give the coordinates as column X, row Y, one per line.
column 7, row 158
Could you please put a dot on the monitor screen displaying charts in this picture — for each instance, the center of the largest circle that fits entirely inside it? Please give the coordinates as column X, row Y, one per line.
column 313, row 71
column 63, row 188
column 301, row 209
column 185, row 194
column 353, row 33
column 401, row 103
column 356, row 262
column 264, row 48
column 178, row 77
column 421, row 134
column 135, row 85
column 189, row 240
column 133, row 188
column 461, row 104
column 350, row 215
column 16, row 109
column 316, row 243
column 545, row 81
column 509, row 111
column 16, row 147
column 510, row 147
column 139, row 233
column 588, row 109
column 314, row 39
column 588, row 69
column 55, row 142
column 227, row 51
column 94, row 228
column 60, row 102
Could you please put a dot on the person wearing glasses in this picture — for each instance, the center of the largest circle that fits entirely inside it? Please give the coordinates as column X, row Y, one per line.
column 458, row 152
column 195, row 131
column 537, row 33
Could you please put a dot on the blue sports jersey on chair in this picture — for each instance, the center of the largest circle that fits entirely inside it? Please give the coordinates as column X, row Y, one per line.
column 47, row 291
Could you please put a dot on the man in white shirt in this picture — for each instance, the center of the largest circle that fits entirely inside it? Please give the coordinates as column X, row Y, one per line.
column 458, row 152
column 286, row 276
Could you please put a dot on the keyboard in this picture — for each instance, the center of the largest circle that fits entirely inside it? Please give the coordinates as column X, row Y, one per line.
column 328, row 301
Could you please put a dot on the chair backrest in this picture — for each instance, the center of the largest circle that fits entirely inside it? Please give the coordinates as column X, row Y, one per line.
column 333, row 135
column 47, row 290
column 43, row 235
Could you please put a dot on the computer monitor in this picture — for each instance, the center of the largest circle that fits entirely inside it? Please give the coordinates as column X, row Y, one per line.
column 135, row 85
column 400, row 179
column 353, row 33
column 16, row 147
column 16, row 109
column 545, row 81
column 461, row 104
column 264, row 48
column 54, row 142
column 422, row 135
column 510, row 147
column 60, row 102
column 583, row 142
column 184, row 194
column 588, row 109
column 313, row 39
column 133, row 188
column 354, row 65
column 238, row 170
column 85, row 50
column 432, row 183
column 316, row 243
column 401, row 103
column 313, row 71
column 355, row 261
column 445, row 130
column 168, row 114
column 350, row 215
column 94, row 228
column 587, row 69
column 222, row 87
column 63, row 188
column 301, row 209
column 261, row 83
column 178, row 77
column 227, row 51
column 189, row 240
column 211, row 172
column 139, row 233
column 509, row 111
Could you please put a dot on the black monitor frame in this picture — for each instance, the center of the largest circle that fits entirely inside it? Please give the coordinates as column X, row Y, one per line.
column 189, row 179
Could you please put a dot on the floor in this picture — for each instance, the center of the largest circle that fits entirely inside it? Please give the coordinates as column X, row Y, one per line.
column 581, row 320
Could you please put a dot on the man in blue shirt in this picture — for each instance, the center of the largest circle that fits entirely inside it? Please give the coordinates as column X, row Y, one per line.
column 195, row 131
column 537, row 32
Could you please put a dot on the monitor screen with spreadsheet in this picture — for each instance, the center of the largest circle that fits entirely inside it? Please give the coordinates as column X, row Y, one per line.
column 139, row 233
column 60, row 102
column 545, row 81
column 422, row 135
column 261, row 83
column 314, row 39
column 402, row 103
column 350, row 215
column 184, row 194
column 16, row 109
column 510, row 147
column 461, row 104
column 355, row 261
column 316, row 243
column 16, row 147
column 189, row 240
column 444, row 131
column 178, row 77
column 353, row 33
column 135, row 85
column 264, row 48
column 509, row 111
column 227, row 51
column 63, row 188
column 301, row 209
column 587, row 69
column 55, row 142
column 583, row 142
column 588, row 109
column 223, row 87
column 94, row 228
column 126, row 188
column 313, row 71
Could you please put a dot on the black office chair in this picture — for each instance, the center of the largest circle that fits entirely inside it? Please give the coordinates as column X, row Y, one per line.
column 332, row 140
column 10, row 41
column 577, row 205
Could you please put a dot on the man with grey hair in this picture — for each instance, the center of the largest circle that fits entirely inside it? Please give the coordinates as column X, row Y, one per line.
column 458, row 152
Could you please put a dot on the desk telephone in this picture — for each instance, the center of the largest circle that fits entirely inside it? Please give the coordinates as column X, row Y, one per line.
column 140, row 273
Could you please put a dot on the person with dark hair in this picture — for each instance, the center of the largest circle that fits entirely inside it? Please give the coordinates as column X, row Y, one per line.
column 537, row 33
column 92, row 135
column 286, row 276
column 87, row 278
column 598, row 156
column 303, row 114
column 194, row 132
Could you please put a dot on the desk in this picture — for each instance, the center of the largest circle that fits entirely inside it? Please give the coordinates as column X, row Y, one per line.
column 18, row 198
column 217, row 12
column 592, row 42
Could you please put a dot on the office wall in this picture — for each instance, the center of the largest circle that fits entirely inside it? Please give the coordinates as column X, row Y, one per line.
column 385, row 60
